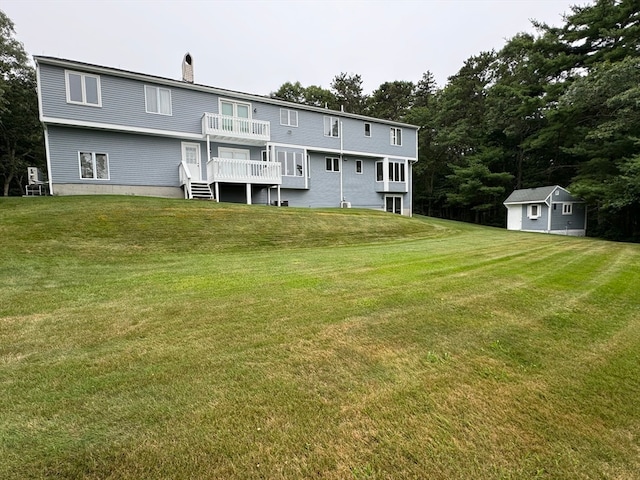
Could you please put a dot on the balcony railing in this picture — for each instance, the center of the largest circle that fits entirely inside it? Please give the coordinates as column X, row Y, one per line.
column 236, row 128
column 243, row 171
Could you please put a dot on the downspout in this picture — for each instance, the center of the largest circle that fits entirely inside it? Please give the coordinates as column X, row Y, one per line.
column 341, row 165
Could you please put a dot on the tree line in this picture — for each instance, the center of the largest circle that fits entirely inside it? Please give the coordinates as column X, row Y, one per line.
column 561, row 106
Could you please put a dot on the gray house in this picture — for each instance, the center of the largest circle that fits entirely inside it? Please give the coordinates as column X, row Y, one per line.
column 111, row 131
column 546, row 209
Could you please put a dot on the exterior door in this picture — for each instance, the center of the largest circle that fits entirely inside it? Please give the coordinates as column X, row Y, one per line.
column 393, row 204
column 191, row 156
column 235, row 153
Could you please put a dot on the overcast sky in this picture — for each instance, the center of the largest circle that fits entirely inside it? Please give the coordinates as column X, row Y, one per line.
column 255, row 46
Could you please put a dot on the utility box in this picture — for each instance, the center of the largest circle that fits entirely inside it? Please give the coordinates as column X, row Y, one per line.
column 36, row 184
column 34, row 176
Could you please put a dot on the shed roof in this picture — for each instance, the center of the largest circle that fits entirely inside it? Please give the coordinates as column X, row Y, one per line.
column 532, row 195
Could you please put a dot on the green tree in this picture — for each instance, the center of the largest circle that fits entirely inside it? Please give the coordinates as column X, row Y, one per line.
column 347, row 90
column 392, row 100
column 608, row 103
column 291, row 92
column 21, row 142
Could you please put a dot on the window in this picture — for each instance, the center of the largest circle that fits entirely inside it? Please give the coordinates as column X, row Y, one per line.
column 379, row 172
column 367, row 129
column 331, row 127
column 157, row 100
column 238, row 116
column 396, row 136
column 288, row 117
column 396, row 172
column 333, row 164
column 83, row 89
column 358, row 166
column 567, row 208
column 265, row 155
column 94, row 166
column 290, row 163
column 534, row 212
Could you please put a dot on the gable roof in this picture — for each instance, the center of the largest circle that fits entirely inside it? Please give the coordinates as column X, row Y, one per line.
column 534, row 195
column 98, row 69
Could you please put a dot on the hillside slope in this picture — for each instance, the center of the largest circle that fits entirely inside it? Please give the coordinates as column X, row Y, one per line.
column 151, row 338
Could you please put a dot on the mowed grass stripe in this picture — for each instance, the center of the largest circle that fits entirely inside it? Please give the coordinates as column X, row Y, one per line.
column 419, row 349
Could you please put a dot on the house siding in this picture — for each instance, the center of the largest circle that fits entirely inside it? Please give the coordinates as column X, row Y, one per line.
column 540, row 224
column 144, row 149
column 133, row 159
column 568, row 222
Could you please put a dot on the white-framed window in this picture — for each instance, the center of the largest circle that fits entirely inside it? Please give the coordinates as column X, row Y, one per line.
column 359, row 166
column 567, row 208
column 83, row 89
column 288, row 117
column 367, row 129
column 331, row 127
column 533, row 211
column 157, row 100
column 264, row 154
column 396, row 172
column 238, row 116
column 93, row 166
column 379, row 171
column 332, row 164
column 290, row 163
column 396, row 136
column 393, row 204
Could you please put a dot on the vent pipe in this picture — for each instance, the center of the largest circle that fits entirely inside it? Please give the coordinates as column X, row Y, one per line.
column 187, row 68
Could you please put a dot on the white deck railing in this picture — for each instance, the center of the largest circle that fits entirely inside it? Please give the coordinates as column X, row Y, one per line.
column 243, row 171
column 235, row 127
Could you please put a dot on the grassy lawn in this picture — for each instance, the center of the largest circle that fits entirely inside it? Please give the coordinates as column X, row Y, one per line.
column 155, row 338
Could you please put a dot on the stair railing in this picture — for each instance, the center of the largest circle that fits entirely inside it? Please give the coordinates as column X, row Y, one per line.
column 185, row 179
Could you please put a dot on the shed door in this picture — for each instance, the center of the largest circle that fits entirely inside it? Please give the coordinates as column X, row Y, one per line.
column 191, row 156
column 514, row 217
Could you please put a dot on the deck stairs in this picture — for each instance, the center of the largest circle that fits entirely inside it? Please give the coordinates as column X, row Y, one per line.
column 201, row 191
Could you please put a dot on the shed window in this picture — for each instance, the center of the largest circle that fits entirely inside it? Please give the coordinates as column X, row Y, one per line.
column 534, row 212
column 567, row 208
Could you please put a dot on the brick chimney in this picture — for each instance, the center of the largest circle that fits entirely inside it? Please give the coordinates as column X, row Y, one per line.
column 187, row 68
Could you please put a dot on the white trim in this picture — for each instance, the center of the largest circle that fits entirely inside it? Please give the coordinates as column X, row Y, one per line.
column 530, row 214
column 234, row 150
column 121, row 128
column 393, row 136
column 83, row 85
column 183, row 145
column 333, row 119
column 48, row 156
column 235, row 107
column 394, row 195
column 289, row 111
column 333, row 164
column 93, row 160
column 39, row 91
column 157, row 89
column 348, row 153
column 97, row 69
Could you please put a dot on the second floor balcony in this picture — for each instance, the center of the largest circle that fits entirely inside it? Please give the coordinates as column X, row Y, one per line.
column 236, row 129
